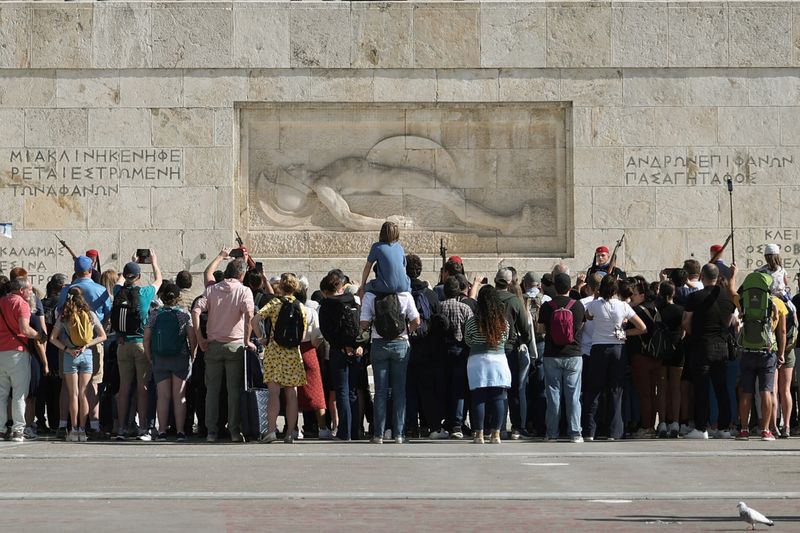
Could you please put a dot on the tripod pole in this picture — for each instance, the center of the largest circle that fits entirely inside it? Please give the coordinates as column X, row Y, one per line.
column 730, row 195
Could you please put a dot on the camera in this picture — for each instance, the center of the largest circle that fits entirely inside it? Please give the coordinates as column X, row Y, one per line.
column 143, row 256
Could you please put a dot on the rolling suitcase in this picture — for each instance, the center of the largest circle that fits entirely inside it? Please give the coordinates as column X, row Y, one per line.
column 252, row 402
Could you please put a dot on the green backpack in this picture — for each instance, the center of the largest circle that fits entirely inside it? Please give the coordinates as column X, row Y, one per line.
column 757, row 306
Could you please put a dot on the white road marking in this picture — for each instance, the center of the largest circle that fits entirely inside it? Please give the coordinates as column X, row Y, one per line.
column 545, row 464
column 610, row 501
column 616, row 497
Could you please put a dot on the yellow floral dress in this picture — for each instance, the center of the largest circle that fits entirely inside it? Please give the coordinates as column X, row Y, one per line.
column 282, row 365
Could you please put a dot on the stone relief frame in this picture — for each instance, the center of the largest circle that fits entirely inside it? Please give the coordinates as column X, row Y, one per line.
column 490, row 179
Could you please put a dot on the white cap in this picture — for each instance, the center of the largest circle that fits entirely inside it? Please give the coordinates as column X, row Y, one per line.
column 772, row 249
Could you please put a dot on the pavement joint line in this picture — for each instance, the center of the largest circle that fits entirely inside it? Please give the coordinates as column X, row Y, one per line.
column 450, row 496
column 404, row 455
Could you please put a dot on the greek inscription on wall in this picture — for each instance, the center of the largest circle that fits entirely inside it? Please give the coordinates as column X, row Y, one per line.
column 39, row 261
column 789, row 241
column 711, row 168
column 87, row 171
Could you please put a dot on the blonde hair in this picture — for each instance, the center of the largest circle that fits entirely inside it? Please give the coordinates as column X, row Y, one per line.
column 390, row 232
column 74, row 303
column 108, row 279
column 289, row 284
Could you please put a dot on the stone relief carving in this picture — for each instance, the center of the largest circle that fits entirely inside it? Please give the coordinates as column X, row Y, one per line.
column 286, row 197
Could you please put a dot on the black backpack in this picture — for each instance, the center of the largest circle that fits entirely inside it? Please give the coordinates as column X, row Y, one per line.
column 388, row 321
column 339, row 321
column 288, row 330
column 126, row 316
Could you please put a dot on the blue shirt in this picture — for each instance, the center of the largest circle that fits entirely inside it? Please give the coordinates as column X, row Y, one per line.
column 95, row 295
column 146, row 296
column 390, row 268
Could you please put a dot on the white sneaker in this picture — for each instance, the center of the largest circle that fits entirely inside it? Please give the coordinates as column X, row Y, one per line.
column 577, row 439
column 145, row 437
column 325, row 434
column 441, row 434
column 685, row 428
column 73, row 436
column 387, row 435
column 697, row 434
column 297, row 434
column 30, row 433
column 82, row 436
column 722, row 434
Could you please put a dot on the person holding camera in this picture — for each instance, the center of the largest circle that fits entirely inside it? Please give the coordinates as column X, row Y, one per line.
column 129, row 314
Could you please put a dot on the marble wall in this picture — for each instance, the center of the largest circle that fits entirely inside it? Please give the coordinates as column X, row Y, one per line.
column 121, row 122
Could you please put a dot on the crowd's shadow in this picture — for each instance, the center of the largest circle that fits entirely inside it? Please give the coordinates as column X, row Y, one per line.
column 676, row 519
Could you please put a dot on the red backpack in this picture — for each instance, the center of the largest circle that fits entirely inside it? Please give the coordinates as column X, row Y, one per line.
column 562, row 330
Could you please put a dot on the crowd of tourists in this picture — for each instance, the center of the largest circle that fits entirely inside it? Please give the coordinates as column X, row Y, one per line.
column 705, row 351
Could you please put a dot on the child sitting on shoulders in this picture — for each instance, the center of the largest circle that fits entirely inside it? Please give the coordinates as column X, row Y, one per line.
column 389, row 259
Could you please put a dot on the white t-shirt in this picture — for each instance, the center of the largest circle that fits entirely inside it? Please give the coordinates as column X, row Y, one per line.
column 607, row 315
column 588, row 328
column 407, row 309
column 312, row 330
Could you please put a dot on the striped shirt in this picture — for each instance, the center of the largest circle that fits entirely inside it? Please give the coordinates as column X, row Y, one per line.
column 477, row 340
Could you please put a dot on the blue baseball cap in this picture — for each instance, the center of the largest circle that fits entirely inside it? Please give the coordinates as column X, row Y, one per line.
column 131, row 270
column 82, row 264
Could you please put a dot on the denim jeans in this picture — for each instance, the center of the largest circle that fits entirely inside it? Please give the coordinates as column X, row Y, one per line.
column 523, row 373
column 563, row 374
column 389, row 366
column 346, row 378
column 513, row 404
column 493, row 399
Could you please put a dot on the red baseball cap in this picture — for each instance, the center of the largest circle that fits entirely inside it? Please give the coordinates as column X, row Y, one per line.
column 601, row 250
column 92, row 253
column 456, row 259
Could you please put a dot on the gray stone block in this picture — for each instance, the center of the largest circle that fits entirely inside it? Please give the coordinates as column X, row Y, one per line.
column 12, row 132
column 214, row 87
column 56, row 212
column 641, row 255
column 119, row 127
column 660, row 87
column 261, row 35
column 769, row 87
column 55, row 127
column 790, row 207
column 319, row 36
column 382, row 35
column 688, row 207
column 121, row 36
column 406, row 85
column 190, row 36
column 579, row 36
column 685, row 126
column 720, row 87
column 298, row 85
column 87, row 88
column 166, row 244
column 179, row 208
column 15, row 36
column 760, row 36
column 466, row 85
column 698, row 36
column 447, row 37
column 592, row 86
column 790, row 129
column 183, row 127
column 27, row 88
column 208, row 166
column 223, row 127
column 639, row 35
column 513, row 35
column 61, row 37
column 620, row 207
column 597, row 166
column 749, row 126
column 128, row 209
column 622, row 126
column 529, row 85
column 151, row 88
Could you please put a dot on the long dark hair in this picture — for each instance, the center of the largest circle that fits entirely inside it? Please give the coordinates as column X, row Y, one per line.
column 491, row 315
column 74, row 303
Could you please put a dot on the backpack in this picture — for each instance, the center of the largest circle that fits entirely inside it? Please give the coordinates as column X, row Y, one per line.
column 662, row 344
column 289, row 329
column 166, row 338
column 562, row 330
column 339, row 322
column 126, row 317
column 50, row 316
column 425, row 313
column 388, row 321
column 791, row 324
column 757, row 306
column 534, row 307
column 80, row 329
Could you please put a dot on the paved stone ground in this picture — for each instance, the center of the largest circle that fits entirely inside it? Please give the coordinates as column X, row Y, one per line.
column 421, row 486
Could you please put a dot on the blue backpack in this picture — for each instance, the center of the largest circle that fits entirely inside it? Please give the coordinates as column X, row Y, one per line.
column 166, row 339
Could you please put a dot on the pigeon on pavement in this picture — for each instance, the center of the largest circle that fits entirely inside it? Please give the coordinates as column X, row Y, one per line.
column 752, row 517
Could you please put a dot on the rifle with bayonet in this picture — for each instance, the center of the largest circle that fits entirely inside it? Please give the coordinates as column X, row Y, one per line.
column 717, row 255
column 612, row 263
column 251, row 263
column 443, row 254
column 66, row 247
